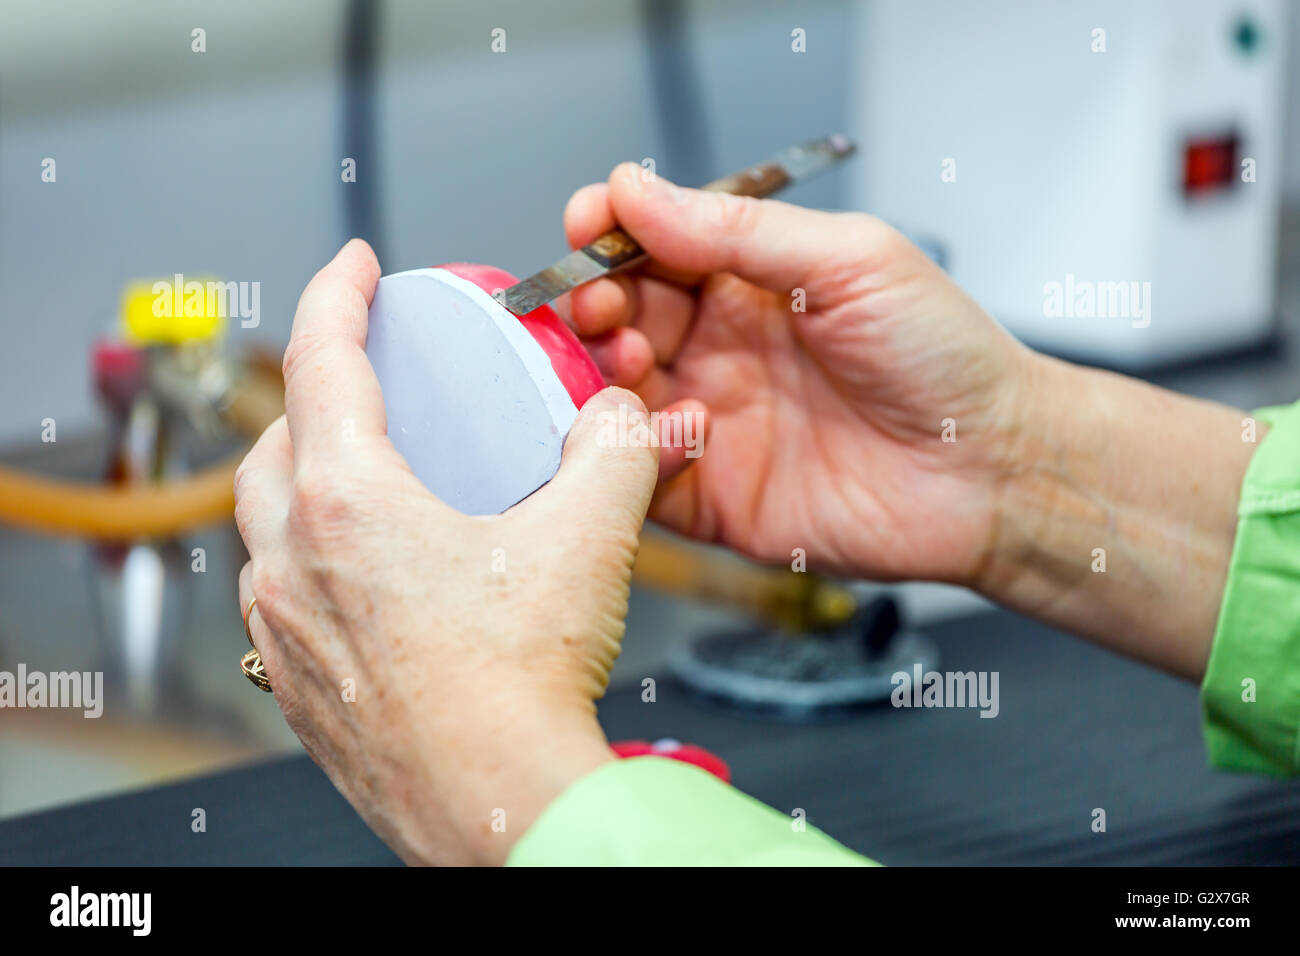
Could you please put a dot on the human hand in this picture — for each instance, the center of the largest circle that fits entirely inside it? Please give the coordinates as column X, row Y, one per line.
column 440, row 668
column 827, row 354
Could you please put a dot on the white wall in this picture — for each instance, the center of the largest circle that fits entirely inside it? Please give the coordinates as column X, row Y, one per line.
column 226, row 163
column 167, row 161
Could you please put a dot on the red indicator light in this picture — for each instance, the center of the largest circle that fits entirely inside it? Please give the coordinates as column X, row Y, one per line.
column 1209, row 164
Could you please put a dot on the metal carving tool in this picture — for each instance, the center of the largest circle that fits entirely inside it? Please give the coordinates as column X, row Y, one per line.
column 616, row 250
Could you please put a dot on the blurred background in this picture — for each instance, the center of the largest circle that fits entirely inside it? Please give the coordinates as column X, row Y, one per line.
column 1018, row 145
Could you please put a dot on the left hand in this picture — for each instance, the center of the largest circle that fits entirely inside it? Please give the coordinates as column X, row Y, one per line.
column 440, row 668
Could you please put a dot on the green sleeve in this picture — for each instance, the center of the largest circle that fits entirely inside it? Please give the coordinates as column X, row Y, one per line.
column 1251, row 694
column 653, row 811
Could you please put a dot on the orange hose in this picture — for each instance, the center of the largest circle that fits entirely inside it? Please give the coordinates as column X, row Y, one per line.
column 798, row 601
column 118, row 513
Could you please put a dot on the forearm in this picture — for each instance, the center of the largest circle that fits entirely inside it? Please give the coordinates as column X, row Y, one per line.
column 1117, row 516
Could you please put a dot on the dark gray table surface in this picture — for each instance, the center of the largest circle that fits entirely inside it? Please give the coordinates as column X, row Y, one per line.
column 1079, row 729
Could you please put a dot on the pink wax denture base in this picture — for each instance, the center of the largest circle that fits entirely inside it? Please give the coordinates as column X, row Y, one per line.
column 478, row 400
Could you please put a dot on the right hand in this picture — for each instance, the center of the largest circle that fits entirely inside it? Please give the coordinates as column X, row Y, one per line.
column 825, row 426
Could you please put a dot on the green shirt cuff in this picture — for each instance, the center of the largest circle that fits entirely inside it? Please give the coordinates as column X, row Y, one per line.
column 653, row 811
column 1251, row 694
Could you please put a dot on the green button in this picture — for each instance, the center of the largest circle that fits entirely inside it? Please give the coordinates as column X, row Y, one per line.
column 1246, row 35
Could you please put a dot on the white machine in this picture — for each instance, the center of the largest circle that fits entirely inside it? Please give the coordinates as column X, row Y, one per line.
column 1104, row 178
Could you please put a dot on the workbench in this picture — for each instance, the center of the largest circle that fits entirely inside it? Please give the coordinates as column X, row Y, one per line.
column 1078, row 729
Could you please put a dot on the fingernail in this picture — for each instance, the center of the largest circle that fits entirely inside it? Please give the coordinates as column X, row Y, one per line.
column 614, row 396
column 659, row 188
column 650, row 184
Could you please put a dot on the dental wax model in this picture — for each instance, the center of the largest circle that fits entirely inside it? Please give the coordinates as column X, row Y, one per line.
column 478, row 400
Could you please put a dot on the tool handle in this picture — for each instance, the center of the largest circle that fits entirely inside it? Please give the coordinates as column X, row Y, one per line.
column 757, row 181
column 797, row 601
column 617, row 250
column 614, row 250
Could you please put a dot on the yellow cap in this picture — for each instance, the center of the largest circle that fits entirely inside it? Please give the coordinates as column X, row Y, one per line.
column 172, row 311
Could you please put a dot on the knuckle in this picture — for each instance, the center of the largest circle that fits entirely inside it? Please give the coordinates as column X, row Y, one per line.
column 272, row 596
column 244, row 500
column 243, row 514
column 300, row 350
column 240, row 484
column 738, row 215
column 319, row 501
column 241, row 473
column 876, row 236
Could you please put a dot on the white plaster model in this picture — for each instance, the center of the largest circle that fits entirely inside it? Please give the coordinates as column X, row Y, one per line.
column 473, row 402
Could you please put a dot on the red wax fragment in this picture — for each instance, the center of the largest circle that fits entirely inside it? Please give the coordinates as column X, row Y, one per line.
column 686, row 753
column 574, row 367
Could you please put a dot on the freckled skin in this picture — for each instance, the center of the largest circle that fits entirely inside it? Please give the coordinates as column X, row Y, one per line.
column 474, row 690
column 440, row 667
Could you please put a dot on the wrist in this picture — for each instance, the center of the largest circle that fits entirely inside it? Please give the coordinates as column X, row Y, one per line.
column 1029, row 402
column 1052, row 490
column 509, row 768
column 1116, row 513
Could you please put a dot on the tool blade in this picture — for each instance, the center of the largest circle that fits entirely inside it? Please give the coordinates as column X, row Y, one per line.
column 537, row 290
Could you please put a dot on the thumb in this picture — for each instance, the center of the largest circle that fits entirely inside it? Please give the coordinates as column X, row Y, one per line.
column 590, row 515
column 772, row 244
column 608, row 472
